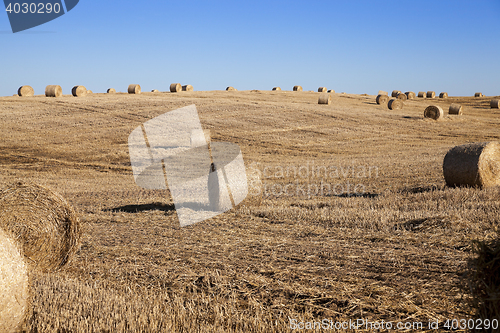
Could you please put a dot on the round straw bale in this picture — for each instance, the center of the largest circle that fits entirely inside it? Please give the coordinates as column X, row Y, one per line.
column 155, row 91
column 187, row 87
column 431, row 94
column 410, row 95
column 175, row 87
column 434, row 112
column 276, row 89
column 53, row 91
column 402, row 97
column 322, row 89
column 331, row 91
column 231, row 89
column 395, row 93
column 443, row 95
column 134, row 89
column 89, row 92
column 297, row 88
column 325, row 98
column 473, row 164
column 395, row 104
column 478, row 94
column 495, row 103
column 382, row 99
column 111, row 91
column 422, row 94
column 14, row 285
column 44, row 224
column 79, row 91
column 25, row 91
column 381, row 92
column 455, row 109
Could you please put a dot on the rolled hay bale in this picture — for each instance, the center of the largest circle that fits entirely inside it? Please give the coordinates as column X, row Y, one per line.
column 14, row 285
column 434, row 112
column 402, row 97
column 231, row 89
column 455, row 109
column 53, row 91
column 89, row 92
column 276, row 89
column 331, row 91
column 175, row 87
column 395, row 104
column 297, row 88
column 381, row 92
column 422, row 94
column 42, row 222
column 443, row 95
column 473, row 164
column 431, row 94
column 325, row 98
column 134, row 89
column 478, row 94
column 187, row 87
column 382, row 99
column 495, row 103
column 155, row 91
column 25, row 91
column 322, row 90
column 111, row 91
column 410, row 95
column 79, row 91
column 395, row 93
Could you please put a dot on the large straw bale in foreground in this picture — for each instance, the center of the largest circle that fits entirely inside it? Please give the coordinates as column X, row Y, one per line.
column 42, row 222
column 473, row 164
column 134, row 89
column 297, row 88
column 79, row 91
column 53, row 91
column 382, row 99
column 325, row 98
column 175, row 87
column 434, row 112
column 25, row 91
column 14, row 285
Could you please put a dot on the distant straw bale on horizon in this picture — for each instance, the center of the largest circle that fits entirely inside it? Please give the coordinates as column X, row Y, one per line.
column 25, row 91
column 410, row 95
column 402, row 97
column 325, row 98
column 322, row 90
column 276, row 89
column 134, row 89
column 79, row 91
column 431, row 94
column 297, row 88
column 111, row 91
column 331, row 91
column 187, row 87
column 478, row 94
column 395, row 93
column 175, row 87
column 381, row 92
column 231, row 89
column 53, row 91
column 443, row 95
column 433, row 112
column 422, row 94
column 155, row 91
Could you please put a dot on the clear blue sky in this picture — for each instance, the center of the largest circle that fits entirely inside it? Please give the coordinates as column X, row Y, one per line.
column 352, row 46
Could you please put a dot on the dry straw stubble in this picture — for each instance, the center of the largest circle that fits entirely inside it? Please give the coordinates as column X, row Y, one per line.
column 455, row 109
column 325, row 98
column 473, row 164
column 14, row 285
column 25, row 91
column 395, row 104
column 187, row 87
column 382, row 99
column 134, row 89
column 443, row 95
column 175, row 87
column 433, row 112
column 495, row 103
column 45, row 225
column 53, row 91
column 79, row 91
column 297, row 88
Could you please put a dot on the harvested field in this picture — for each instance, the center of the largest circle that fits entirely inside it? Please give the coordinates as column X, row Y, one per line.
column 387, row 241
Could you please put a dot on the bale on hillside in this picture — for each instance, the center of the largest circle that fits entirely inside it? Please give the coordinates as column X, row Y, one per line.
column 443, row 95
column 134, row 89
column 25, row 91
column 434, row 112
column 79, row 91
column 455, row 109
column 111, row 91
column 395, row 93
column 89, row 92
column 53, row 91
column 175, row 87
column 382, row 99
column 395, row 104
column 431, row 94
column 473, row 164
column 402, row 97
column 410, row 95
column 422, row 94
column 381, row 92
column 325, row 98
column 478, row 94
column 187, row 87
column 231, row 89
column 14, row 285
column 297, row 88
column 322, row 89
column 155, row 91
column 331, row 91
column 495, row 103
column 45, row 225
column 276, row 89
